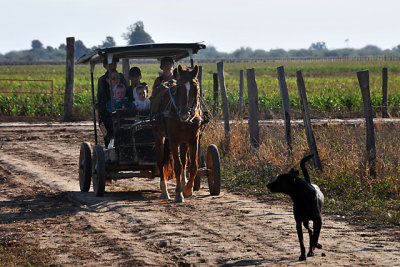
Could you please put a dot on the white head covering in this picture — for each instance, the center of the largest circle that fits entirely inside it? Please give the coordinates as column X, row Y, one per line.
column 140, row 104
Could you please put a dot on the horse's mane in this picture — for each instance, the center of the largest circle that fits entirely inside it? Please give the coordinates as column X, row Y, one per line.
column 159, row 94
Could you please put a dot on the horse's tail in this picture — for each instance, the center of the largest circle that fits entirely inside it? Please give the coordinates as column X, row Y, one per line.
column 168, row 162
column 304, row 169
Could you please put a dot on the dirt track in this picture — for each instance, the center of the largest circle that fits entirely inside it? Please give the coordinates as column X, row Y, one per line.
column 41, row 202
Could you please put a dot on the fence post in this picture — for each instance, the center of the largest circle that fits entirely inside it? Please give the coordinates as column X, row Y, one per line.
column 253, row 108
column 285, row 106
column 363, row 79
column 225, row 107
column 125, row 70
column 215, row 90
column 69, row 82
column 307, row 121
column 241, row 88
column 385, row 93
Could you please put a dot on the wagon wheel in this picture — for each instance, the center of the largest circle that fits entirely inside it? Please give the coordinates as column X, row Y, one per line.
column 99, row 171
column 214, row 174
column 85, row 167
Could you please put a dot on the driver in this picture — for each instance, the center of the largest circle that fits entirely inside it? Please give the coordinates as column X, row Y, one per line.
column 167, row 66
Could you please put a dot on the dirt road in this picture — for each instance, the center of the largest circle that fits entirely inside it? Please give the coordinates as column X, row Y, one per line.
column 40, row 202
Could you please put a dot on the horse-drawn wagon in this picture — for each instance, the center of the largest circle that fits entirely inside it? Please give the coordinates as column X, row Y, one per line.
column 157, row 143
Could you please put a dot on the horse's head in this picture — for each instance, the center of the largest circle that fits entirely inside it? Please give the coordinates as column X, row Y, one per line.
column 188, row 92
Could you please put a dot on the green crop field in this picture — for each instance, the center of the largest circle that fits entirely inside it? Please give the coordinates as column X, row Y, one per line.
column 332, row 87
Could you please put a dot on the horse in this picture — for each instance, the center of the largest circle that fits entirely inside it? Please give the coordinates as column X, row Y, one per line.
column 178, row 118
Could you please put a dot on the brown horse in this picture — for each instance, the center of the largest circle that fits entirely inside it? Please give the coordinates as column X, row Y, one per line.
column 178, row 118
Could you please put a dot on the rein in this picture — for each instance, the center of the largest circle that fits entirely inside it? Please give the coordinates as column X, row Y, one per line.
column 172, row 104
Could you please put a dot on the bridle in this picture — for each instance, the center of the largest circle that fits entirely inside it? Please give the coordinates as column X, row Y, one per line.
column 185, row 113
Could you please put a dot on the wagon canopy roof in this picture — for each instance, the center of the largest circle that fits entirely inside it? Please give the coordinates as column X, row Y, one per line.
column 143, row 51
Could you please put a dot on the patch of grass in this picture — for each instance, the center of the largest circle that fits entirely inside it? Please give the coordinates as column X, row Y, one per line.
column 14, row 253
column 345, row 180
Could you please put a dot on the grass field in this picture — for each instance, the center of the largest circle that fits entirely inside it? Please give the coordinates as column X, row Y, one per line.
column 332, row 91
column 332, row 87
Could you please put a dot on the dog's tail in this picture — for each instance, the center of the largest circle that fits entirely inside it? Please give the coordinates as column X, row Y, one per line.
column 304, row 169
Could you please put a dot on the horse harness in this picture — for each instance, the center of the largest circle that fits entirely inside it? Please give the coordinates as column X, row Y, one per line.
column 172, row 110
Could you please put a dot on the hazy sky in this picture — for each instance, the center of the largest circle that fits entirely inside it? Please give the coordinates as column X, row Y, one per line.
column 225, row 24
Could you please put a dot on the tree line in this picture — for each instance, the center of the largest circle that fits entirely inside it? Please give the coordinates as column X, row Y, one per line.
column 317, row 50
column 136, row 35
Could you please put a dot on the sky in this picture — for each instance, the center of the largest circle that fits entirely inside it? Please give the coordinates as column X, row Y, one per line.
column 225, row 24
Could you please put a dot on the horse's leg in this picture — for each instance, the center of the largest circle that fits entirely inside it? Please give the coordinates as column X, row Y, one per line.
column 193, row 150
column 159, row 144
column 178, row 171
column 183, row 149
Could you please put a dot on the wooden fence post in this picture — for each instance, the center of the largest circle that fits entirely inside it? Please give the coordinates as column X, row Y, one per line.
column 225, row 107
column 253, row 108
column 307, row 121
column 69, row 83
column 285, row 106
column 385, row 93
column 241, row 88
column 125, row 70
column 363, row 79
column 215, row 87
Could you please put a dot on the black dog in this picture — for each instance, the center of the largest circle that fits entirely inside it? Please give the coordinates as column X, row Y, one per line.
column 307, row 203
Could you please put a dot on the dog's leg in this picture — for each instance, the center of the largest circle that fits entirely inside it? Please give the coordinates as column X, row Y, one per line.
column 310, row 234
column 317, row 224
column 300, row 236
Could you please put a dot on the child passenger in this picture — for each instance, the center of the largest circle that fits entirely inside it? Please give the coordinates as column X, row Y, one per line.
column 141, row 100
column 120, row 101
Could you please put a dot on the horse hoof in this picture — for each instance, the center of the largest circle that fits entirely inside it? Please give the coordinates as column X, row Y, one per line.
column 310, row 254
column 179, row 198
column 188, row 194
column 302, row 258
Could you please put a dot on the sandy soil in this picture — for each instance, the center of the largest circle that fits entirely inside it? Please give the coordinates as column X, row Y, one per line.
column 40, row 202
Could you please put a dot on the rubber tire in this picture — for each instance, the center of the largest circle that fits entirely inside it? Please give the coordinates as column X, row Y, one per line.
column 99, row 171
column 213, row 165
column 85, row 167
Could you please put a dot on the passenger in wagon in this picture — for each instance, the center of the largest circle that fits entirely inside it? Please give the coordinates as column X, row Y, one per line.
column 167, row 66
column 120, row 100
column 103, row 95
column 135, row 75
column 142, row 103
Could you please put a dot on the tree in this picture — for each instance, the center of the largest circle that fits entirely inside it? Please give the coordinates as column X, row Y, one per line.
column 277, row 53
column 80, row 49
column 108, row 42
column 137, row 35
column 370, row 50
column 36, row 45
column 318, row 46
column 396, row 49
